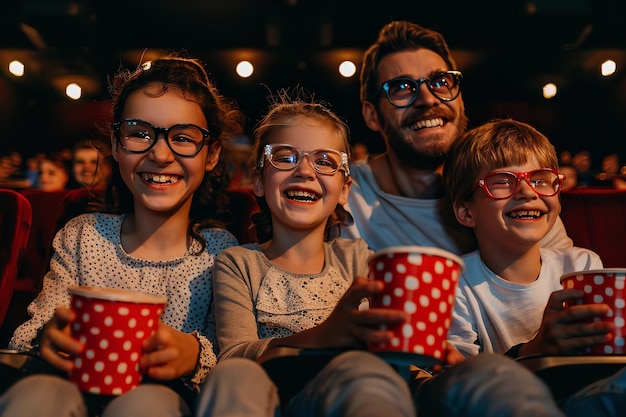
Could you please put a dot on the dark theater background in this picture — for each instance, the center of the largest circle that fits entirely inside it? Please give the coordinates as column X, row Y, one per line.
column 506, row 49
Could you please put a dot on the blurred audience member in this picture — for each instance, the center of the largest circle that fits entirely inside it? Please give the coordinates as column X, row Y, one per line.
column 582, row 162
column 6, row 167
column 54, row 173
column 610, row 164
column 565, row 158
column 571, row 180
column 91, row 164
column 609, row 171
column 10, row 173
column 360, row 153
column 32, row 168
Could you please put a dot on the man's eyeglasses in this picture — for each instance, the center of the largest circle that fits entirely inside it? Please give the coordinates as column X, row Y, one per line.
column 286, row 157
column 139, row 136
column 402, row 92
column 503, row 184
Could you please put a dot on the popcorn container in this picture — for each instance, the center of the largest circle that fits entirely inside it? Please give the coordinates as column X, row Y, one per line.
column 422, row 282
column 112, row 324
column 606, row 286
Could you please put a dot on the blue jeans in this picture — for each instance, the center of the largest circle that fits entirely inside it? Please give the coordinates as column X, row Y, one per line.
column 52, row 396
column 238, row 387
column 486, row 385
column 354, row 383
column 603, row 398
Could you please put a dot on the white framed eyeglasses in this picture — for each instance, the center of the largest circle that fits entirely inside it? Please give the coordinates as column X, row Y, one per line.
column 286, row 157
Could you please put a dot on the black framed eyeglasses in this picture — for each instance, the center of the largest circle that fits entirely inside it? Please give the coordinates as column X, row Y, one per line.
column 402, row 92
column 286, row 157
column 500, row 185
column 139, row 136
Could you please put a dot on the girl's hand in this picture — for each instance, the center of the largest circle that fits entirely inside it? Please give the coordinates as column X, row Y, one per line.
column 57, row 347
column 347, row 326
column 169, row 354
column 451, row 356
column 567, row 329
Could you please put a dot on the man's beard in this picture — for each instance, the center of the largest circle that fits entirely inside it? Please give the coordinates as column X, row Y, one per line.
column 424, row 158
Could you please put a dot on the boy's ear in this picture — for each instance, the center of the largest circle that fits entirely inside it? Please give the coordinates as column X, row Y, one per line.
column 214, row 156
column 257, row 183
column 463, row 214
column 370, row 116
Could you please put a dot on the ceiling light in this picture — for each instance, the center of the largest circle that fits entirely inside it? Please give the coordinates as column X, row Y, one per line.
column 549, row 90
column 73, row 91
column 347, row 69
column 608, row 67
column 16, row 68
column 245, row 69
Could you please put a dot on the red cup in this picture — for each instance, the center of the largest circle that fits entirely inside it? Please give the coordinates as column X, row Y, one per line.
column 422, row 282
column 112, row 324
column 606, row 286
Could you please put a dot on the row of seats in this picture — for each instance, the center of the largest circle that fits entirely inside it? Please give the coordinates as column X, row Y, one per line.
column 30, row 218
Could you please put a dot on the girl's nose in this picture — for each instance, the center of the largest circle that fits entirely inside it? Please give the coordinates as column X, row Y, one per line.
column 305, row 168
column 161, row 151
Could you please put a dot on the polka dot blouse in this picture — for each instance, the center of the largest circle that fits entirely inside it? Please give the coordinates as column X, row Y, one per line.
column 88, row 251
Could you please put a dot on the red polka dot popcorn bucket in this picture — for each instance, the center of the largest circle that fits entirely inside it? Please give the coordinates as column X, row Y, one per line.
column 421, row 281
column 112, row 324
column 606, row 286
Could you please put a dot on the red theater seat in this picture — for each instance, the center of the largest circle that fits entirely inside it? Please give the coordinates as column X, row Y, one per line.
column 595, row 218
column 51, row 210
column 15, row 224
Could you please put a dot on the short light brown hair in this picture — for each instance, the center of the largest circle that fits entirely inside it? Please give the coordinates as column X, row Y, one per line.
column 495, row 144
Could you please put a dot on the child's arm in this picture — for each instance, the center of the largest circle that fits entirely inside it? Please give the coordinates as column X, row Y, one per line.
column 235, row 285
column 347, row 326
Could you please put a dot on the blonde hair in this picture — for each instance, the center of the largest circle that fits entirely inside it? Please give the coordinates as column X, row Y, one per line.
column 287, row 108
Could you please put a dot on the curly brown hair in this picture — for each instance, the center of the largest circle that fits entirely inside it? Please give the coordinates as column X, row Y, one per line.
column 225, row 121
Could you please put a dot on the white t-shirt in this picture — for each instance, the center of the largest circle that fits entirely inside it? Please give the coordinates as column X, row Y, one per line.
column 492, row 315
column 385, row 220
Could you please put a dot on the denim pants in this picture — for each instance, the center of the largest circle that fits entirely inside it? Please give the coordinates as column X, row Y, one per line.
column 51, row 396
column 603, row 398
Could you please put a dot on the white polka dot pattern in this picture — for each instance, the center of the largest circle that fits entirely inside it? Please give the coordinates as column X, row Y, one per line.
column 603, row 286
column 422, row 285
column 113, row 333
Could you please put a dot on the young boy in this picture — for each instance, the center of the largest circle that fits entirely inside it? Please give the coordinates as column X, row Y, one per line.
column 503, row 182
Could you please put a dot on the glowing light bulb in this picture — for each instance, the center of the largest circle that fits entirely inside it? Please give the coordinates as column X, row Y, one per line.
column 245, row 69
column 73, row 91
column 608, row 67
column 347, row 69
column 16, row 68
column 549, row 90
